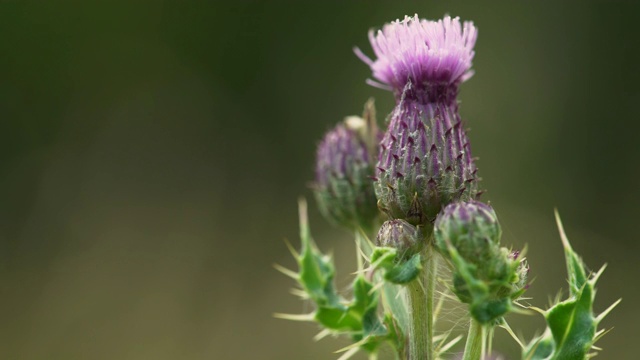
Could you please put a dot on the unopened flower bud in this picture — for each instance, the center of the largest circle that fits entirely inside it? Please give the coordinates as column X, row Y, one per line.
column 425, row 158
column 486, row 276
column 402, row 236
column 344, row 167
column 472, row 228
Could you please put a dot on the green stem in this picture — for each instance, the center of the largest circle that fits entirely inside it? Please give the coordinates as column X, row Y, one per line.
column 475, row 347
column 488, row 339
column 421, row 293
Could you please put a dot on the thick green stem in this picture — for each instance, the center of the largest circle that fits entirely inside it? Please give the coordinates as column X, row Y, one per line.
column 475, row 347
column 421, row 293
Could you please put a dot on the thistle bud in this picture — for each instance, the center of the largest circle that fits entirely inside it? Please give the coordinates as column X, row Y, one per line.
column 344, row 167
column 472, row 228
column 425, row 158
column 485, row 276
column 402, row 236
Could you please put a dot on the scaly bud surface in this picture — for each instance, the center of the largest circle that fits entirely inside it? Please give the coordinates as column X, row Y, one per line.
column 425, row 157
column 344, row 167
column 472, row 228
column 402, row 236
column 485, row 276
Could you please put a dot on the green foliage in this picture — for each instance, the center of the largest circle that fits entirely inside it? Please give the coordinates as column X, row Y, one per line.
column 488, row 283
column 571, row 324
column 397, row 269
column 357, row 317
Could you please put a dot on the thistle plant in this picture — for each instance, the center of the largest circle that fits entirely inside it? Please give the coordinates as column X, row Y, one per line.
column 410, row 195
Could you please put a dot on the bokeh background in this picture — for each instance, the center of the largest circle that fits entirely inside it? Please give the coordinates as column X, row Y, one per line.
column 152, row 155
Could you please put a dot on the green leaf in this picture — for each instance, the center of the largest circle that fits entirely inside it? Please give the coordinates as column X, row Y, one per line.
column 383, row 257
column 404, row 272
column 363, row 299
column 397, row 269
column 316, row 274
column 358, row 317
column 571, row 324
column 575, row 267
column 316, row 269
column 338, row 319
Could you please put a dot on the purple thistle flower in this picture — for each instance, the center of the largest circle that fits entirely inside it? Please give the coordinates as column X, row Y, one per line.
column 425, row 158
column 344, row 168
column 422, row 51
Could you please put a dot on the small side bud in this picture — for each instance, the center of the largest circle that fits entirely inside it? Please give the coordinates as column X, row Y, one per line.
column 344, row 167
column 472, row 228
column 402, row 236
column 485, row 276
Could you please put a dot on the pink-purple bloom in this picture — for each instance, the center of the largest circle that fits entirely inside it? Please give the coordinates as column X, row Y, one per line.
column 425, row 157
column 422, row 51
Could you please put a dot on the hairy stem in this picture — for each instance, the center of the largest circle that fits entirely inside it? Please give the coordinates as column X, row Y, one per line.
column 475, row 347
column 421, row 294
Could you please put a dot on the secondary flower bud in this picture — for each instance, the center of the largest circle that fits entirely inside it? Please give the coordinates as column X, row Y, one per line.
column 485, row 276
column 472, row 228
column 425, row 158
column 402, row 236
column 344, row 166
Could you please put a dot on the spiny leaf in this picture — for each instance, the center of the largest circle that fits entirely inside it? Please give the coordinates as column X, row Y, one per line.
column 397, row 270
column 404, row 272
column 571, row 324
column 383, row 257
column 575, row 266
column 358, row 317
column 337, row 319
column 316, row 269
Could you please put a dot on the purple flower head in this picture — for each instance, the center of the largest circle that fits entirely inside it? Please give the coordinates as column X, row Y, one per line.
column 424, row 52
column 425, row 160
column 344, row 167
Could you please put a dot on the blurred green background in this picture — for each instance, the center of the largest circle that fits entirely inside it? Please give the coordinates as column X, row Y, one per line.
column 152, row 155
